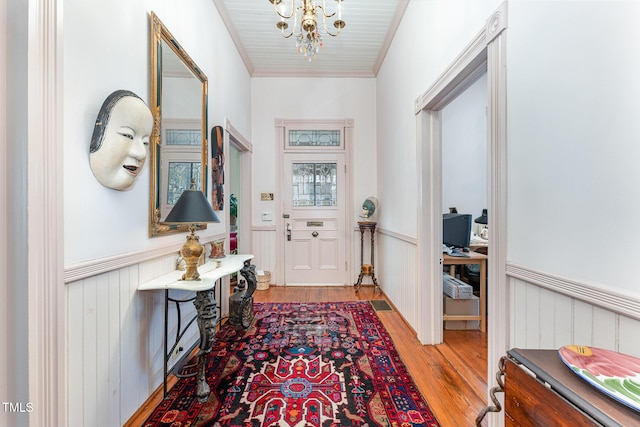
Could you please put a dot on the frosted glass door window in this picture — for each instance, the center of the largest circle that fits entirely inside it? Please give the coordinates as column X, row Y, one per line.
column 314, row 184
column 181, row 174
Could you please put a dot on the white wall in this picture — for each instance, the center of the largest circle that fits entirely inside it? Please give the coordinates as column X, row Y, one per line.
column 414, row 61
column 464, row 151
column 573, row 148
column 574, row 140
column 114, row 332
column 307, row 98
column 6, row 323
column 185, row 95
column 13, row 199
column 100, row 59
column 312, row 98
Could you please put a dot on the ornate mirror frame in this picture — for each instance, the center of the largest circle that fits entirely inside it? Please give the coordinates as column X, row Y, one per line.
column 163, row 44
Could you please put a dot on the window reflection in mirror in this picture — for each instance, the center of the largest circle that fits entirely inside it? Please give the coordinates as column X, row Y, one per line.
column 179, row 154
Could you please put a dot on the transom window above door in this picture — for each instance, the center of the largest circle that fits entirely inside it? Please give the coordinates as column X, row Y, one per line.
column 314, row 138
column 323, row 137
column 189, row 137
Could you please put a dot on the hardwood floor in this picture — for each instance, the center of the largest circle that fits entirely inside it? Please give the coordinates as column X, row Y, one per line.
column 451, row 376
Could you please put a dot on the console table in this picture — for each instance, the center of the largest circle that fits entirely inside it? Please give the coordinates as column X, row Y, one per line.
column 471, row 258
column 540, row 390
column 206, row 308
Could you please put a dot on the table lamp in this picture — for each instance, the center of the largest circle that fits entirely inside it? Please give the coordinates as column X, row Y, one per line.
column 482, row 219
column 191, row 208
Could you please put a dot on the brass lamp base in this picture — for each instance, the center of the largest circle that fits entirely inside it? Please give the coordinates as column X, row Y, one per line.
column 191, row 252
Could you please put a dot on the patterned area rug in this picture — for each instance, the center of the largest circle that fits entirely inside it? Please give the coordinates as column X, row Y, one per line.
column 301, row 365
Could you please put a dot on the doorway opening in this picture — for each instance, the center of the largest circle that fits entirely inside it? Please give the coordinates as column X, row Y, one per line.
column 238, row 162
column 237, row 183
column 464, row 198
column 485, row 54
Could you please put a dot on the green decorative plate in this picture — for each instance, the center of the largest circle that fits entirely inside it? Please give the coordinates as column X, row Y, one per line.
column 615, row 374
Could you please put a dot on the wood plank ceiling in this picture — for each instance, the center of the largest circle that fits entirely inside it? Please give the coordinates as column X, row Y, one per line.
column 357, row 52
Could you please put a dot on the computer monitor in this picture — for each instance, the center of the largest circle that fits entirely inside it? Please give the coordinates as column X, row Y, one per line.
column 456, row 230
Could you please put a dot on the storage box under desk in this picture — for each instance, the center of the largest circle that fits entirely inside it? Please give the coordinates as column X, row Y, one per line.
column 461, row 307
column 471, row 258
column 456, row 288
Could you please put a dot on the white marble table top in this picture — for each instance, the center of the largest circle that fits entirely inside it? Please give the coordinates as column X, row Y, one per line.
column 209, row 273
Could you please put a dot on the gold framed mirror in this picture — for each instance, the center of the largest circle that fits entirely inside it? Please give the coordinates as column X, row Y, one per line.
column 179, row 146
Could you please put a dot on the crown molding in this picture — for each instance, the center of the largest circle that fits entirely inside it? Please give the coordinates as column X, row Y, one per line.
column 235, row 37
column 393, row 27
column 323, row 74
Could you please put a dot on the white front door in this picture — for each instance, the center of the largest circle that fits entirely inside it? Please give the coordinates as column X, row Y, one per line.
column 314, row 219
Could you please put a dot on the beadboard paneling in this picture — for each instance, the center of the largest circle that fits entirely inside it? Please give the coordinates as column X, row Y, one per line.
column 115, row 342
column 545, row 318
column 264, row 250
column 399, row 281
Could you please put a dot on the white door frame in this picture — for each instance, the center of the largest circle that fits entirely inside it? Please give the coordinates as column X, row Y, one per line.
column 281, row 127
column 244, row 146
column 230, row 137
column 486, row 51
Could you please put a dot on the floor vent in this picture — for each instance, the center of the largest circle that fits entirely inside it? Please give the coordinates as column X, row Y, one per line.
column 380, row 305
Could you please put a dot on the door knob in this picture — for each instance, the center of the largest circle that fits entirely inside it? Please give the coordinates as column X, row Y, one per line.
column 314, row 234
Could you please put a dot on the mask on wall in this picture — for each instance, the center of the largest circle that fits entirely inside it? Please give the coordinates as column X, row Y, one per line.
column 120, row 140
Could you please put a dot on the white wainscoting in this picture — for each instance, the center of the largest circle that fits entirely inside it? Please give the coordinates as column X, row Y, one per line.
column 263, row 244
column 399, row 280
column 115, row 342
column 549, row 312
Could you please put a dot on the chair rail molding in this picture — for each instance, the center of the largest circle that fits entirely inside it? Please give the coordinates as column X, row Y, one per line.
column 85, row 269
column 614, row 300
column 82, row 270
column 399, row 236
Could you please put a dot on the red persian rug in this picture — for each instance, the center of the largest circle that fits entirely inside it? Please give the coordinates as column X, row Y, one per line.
column 301, row 365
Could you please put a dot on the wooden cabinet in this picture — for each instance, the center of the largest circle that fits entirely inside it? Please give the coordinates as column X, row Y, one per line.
column 540, row 390
column 528, row 402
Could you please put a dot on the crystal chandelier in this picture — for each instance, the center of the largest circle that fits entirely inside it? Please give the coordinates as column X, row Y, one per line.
column 305, row 16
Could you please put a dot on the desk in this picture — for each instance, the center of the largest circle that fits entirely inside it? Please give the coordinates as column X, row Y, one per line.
column 206, row 308
column 474, row 258
column 479, row 247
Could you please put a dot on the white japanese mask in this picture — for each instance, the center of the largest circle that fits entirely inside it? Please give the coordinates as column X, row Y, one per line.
column 120, row 140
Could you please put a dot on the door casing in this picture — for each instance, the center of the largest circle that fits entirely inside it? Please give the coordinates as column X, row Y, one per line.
column 282, row 126
column 486, row 51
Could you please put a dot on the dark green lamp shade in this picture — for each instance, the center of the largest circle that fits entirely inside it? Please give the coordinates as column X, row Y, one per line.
column 193, row 208
column 482, row 219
